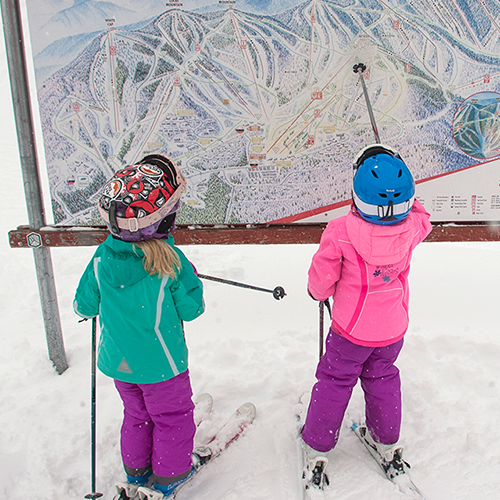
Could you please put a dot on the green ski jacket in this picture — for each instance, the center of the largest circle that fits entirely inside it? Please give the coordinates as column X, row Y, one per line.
column 141, row 316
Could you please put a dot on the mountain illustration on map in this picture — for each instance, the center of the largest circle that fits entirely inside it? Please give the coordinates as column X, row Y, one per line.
column 257, row 101
column 476, row 126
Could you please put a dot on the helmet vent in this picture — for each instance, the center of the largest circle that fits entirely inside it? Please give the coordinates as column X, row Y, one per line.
column 400, row 173
column 383, row 195
column 374, row 174
column 396, row 195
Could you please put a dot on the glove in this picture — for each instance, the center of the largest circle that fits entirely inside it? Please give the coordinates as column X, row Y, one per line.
column 328, row 306
column 194, row 268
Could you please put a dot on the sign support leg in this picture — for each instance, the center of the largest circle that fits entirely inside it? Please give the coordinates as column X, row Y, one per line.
column 16, row 59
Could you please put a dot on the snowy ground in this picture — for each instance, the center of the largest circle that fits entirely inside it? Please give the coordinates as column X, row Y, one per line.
column 250, row 347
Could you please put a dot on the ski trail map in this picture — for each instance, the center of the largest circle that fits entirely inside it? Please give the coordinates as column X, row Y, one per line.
column 257, row 101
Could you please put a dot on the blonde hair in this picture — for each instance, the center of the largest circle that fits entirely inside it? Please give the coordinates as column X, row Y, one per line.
column 159, row 258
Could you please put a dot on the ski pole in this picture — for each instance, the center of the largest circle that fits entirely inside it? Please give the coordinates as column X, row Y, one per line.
column 321, row 327
column 322, row 305
column 360, row 68
column 93, row 495
column 278, row 292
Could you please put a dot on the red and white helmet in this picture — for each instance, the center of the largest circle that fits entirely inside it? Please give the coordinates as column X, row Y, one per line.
column 140, row 201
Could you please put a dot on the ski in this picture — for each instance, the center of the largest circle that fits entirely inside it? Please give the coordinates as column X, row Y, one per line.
column 202, row 455
column 400, row 476
column 232, row 429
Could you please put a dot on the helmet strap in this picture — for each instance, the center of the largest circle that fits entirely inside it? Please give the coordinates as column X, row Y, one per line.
column 389, row 215
column 113, row 222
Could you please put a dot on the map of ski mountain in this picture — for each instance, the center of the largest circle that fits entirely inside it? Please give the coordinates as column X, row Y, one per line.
column 257, row 101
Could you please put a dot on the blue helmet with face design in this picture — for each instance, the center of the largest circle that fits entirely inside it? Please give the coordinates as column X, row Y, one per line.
column 383, row 187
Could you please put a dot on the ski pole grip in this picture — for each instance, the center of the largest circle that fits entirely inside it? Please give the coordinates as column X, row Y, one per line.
column 360, row 67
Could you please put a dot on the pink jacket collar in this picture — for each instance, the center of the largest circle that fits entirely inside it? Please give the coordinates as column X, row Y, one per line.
column 380, row 244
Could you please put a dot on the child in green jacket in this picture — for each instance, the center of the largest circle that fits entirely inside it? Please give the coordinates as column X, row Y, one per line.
column 143, row 288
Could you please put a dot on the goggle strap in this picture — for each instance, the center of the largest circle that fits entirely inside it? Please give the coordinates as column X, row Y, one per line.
column 134, row 224
column 382, row 211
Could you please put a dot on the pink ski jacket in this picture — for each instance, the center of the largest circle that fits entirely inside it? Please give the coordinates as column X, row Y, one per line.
column 365, row 267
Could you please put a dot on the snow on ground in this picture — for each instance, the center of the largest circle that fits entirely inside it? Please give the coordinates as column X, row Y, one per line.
column 250, row 347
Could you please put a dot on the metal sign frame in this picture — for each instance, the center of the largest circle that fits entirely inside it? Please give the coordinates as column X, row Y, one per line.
column 40, row 237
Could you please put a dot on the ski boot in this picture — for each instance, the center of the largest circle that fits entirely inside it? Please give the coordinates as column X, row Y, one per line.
column 390, row 456
column 314, row 474
column 128, row 490
column 160, row 491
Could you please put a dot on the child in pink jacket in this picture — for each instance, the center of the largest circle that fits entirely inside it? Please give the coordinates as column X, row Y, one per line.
column 363, row 262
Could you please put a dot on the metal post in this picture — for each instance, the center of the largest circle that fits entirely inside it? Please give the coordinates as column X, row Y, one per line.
column 16, row 59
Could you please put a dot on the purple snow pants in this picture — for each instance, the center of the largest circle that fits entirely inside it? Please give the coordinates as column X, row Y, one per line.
column 337, row 373
column 158, row 428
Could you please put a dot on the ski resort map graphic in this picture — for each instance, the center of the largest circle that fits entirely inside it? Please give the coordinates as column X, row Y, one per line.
column 476, row 126
column 257, row 101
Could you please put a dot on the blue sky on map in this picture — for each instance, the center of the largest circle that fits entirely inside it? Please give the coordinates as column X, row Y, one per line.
column 51, row 20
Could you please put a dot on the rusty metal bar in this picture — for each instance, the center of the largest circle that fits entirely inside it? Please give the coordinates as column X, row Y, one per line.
column 259, row 234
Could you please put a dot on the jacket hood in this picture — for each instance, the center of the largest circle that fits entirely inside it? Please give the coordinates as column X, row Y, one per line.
column 122, row 264
column 380, row 245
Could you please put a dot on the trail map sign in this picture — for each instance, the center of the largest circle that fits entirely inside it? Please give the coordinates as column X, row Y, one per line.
column 257, row 101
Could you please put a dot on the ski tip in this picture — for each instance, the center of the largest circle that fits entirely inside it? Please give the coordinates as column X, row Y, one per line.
column 408, row 487
column 204, row 400
column 203, row 405
column 247, row 410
